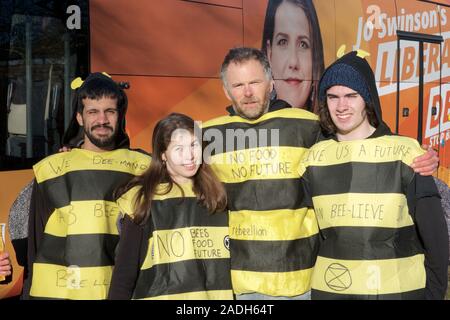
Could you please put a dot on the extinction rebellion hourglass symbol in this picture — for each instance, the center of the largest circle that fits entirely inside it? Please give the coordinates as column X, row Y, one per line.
column 337, row 277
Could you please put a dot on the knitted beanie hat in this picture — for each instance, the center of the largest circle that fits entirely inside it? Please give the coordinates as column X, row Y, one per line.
column 344, row 75
column 352, row 70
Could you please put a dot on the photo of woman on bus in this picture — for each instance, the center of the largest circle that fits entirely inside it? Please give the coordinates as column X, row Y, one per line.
column 292, row 41
column 174, row 231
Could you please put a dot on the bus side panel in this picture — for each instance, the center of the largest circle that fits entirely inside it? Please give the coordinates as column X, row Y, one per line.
column 152, row 98
column 371, row 25
column 167, row 38
column 254, row 12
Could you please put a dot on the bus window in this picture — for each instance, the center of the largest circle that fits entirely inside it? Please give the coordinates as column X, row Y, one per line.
column 43, row 46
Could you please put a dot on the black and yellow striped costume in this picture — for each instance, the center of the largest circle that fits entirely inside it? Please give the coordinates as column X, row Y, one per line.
column 75, row 254
column 183, row 250
column 370, row 247
column 273, row 234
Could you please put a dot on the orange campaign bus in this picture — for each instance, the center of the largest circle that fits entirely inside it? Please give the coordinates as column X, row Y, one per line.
column 168, row 53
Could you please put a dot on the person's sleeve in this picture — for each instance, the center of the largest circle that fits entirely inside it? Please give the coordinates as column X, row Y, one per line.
column 432, row 229
column 20, row 248
column 318, row 133
column 304, row 180
column 37, row 219
column 18, row 223
column 307, row 194
column 126, row 269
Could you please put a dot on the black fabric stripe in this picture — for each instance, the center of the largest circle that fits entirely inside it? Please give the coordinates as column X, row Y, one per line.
column 183, row 277
column 292, row 133
column 274, row 256
column 359, row 177
column 177, row 213
column 266, row 194
column 369, row 243
column 87, row 250
column 408, row 295
column 46, row 298
column 83, row 185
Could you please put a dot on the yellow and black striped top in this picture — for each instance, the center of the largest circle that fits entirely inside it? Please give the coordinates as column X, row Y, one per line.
column 370, row 247
column 273, row 234
column 183, row 251
column 75, row 257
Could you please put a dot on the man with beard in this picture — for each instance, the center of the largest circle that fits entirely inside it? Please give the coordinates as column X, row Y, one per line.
column 273, row 235
column 255, row 151
column 72, row 230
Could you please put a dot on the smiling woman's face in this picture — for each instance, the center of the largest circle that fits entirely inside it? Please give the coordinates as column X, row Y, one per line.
column 183, row 156
column 290, row 55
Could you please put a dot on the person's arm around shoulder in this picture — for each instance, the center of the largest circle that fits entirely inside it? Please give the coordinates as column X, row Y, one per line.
column 427, row 163
column 304, row 178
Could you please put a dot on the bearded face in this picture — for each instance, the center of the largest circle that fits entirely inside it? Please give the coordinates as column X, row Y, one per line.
column 248, row 88
column 99, row 119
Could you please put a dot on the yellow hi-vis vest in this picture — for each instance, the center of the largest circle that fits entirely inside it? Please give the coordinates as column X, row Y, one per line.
column 187, row 254
column 273, row 235
column 371, row 249
column 76, row 256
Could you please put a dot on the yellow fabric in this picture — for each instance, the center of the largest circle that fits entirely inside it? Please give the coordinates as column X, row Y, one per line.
column 357, row 210
column 383, row 149
column 179, row 245
column 74, row 283
column 258, row 163
column 89, row 217
column 362, row 210
column 84, row 217
column 289, row 113
column 121, row 160
column 127, row 201
column 372, row 277
column 171, row 246
column 267, row 164
column 273, row 225
column 277, row 284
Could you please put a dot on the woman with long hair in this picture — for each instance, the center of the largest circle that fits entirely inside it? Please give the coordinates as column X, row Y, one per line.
column 174, row 233
column 293, row 44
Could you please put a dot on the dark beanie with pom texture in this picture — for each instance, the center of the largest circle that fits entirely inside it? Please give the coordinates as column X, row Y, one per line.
column 344, row 75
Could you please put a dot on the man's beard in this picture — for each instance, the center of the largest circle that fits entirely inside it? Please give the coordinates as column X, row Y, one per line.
column 264, row 107
column 102, row 143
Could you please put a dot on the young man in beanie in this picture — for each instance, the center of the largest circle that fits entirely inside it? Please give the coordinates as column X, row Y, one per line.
column 72, row 222
column 382, row 227
column 273, row 235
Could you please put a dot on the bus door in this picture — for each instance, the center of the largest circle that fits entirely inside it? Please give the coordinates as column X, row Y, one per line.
column 420, row 93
